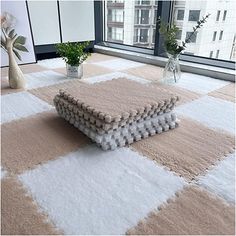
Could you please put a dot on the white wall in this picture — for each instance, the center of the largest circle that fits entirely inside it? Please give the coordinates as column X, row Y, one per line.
column 77, row 20
column 19, row 10
column 44, row 21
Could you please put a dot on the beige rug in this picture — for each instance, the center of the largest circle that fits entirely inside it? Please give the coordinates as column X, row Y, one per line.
column 189, row 150
column 38, row 139
column 117, row 99
column 226, row 93
column 188, row 214
column 149, row 72
column 19, row 214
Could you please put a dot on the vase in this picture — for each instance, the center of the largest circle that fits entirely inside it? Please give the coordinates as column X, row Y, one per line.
column 172, row 71
column 74, row 71
column 15, row 75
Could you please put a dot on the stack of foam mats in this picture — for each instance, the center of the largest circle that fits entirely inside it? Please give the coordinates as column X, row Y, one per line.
column 117, row 112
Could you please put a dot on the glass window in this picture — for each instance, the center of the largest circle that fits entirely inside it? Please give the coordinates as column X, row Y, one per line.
column 218, row 16
column 155, row 17
column 143, row 35
column 153, row 35
column 194, row 15
column 117, row 15
column 221, row 35
column 217, row 53
column 191, row 37
column 214, row 36
column 144, row 17
column 224, row 16
column 211, row 54
column 180, row 15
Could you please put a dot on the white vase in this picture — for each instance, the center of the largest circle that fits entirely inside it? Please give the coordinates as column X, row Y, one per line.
column 15, row 75
column 74, row 71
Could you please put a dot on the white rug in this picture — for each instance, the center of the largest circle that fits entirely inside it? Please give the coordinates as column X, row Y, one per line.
column 95, row 192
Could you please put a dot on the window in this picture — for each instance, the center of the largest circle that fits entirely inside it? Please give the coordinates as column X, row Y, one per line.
column 153, row 35
column 194, row 15
column 180, row 15
column 179, row 34
column 217, row 53
column 221, row 35
column 142, row 17
column 142, row 2
column 214, row 36
column 224, row 16
column 139, row 27
column 218, row 16
column 155, row 17
column 141, row 36
column 191, row 37
column 115, row 34
column 115, row 15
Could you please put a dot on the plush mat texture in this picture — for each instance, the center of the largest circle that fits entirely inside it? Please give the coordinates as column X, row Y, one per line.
column 54, row 180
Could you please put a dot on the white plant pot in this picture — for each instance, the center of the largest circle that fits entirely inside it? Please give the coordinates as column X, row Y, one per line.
column 74, row 71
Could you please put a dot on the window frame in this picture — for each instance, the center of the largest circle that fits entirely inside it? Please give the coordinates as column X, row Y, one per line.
column 165, row 13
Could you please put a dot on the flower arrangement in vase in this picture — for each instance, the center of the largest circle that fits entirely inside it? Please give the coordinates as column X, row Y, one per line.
column 74, row 54
column 11, row 43
column 172, row 71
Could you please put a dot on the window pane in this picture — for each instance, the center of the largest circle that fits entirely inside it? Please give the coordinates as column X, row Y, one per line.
column 137, row 20
column 224, row 17
column 218, row 16
column 180, row 15
column 216, row 33
column 190, row 37
column 194, row 15
column 221, row 35
column 214, row 36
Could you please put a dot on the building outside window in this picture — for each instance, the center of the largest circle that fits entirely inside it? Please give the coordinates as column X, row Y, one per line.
column 221, row 35
column 211, row 54
column 180, row 15
column 224, row 16
column 218, row 16
column 155, row 17
column 214, row 36
column 193, row 37
column 194, row 15
column 115, row 15
column 217, row 53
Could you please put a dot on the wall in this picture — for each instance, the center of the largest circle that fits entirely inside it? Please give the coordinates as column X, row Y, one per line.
column 19, row 10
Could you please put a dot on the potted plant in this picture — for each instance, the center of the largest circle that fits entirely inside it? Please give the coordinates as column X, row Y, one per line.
column 172, row 71
column 74, row 55
column 12, row 44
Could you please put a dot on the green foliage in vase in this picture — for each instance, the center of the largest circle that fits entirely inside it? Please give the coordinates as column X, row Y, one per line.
column 9, row 37
column 170, row 31
column 73, row 53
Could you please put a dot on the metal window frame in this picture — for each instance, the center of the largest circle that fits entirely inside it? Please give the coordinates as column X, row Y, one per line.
column 165, row 13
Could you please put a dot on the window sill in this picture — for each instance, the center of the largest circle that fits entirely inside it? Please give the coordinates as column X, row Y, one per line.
column 196, row 68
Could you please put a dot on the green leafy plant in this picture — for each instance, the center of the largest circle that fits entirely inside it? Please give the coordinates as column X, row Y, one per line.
column 9, row 38
column 170, row 31
column 73, row 53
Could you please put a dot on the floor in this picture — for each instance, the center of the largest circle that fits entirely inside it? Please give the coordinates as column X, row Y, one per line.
column 55, row 181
